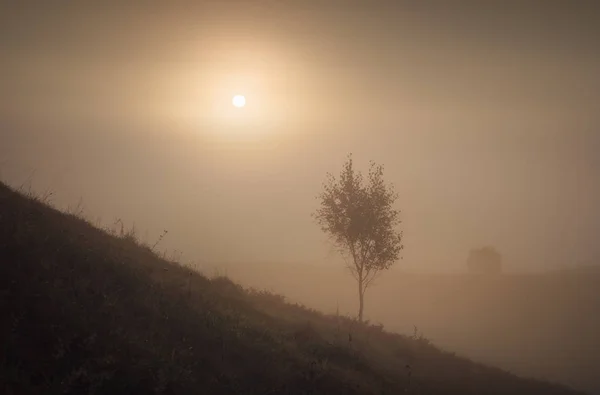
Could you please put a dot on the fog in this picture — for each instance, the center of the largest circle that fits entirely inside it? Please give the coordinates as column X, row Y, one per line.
column 486, row 119
column 535, row 325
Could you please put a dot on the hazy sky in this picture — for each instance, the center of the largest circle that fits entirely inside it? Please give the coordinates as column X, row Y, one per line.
column 487, row 119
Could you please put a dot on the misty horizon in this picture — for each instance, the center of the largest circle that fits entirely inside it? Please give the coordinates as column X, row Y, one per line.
column 485, row 119
column 190, row 148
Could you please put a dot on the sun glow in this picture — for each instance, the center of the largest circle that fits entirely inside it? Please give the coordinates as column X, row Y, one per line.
column 238, row 101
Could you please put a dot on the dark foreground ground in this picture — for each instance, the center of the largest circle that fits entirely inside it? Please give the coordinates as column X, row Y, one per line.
column 543, row 325
column 86, row 312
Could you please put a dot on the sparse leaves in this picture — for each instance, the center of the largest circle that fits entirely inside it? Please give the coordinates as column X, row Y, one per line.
column 359, row 216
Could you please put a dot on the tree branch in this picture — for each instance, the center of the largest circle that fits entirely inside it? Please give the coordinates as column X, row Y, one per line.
column 374, row 274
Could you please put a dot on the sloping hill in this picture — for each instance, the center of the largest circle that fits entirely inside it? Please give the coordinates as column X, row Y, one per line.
column 84, row 312
column 543, row 325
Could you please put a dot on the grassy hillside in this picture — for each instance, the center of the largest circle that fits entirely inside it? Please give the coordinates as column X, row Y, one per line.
column 542, row 325
column 85, row 312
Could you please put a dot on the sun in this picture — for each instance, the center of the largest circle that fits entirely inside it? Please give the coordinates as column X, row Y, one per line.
column 238, row 101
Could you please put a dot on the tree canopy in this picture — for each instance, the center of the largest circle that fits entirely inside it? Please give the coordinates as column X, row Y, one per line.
column 359, row 217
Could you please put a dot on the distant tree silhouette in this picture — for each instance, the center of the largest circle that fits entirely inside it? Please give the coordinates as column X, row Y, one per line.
column 484, row 260
column 360, row 218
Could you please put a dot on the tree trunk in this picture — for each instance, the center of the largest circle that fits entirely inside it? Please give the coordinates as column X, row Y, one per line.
column 361, row 300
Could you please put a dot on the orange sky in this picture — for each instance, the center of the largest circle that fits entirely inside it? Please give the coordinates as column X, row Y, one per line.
column 486, row 119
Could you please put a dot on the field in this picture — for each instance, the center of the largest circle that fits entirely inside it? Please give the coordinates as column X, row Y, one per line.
column 84, row 311
column 544, row 325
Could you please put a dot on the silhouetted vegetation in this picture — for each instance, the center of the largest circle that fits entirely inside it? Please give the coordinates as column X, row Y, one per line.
column 361, row 220
column 87, row 312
